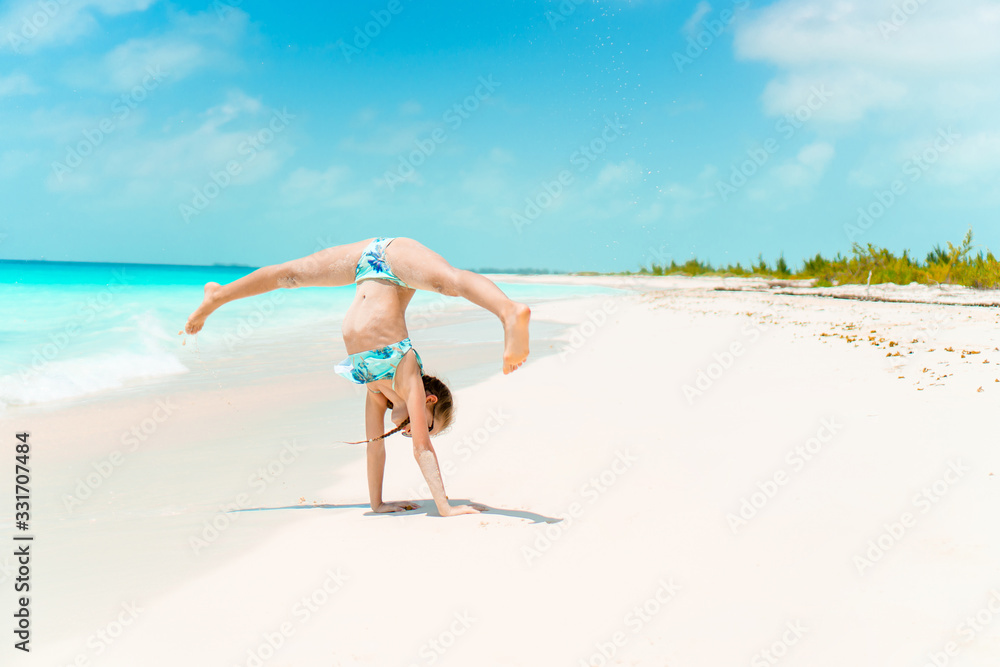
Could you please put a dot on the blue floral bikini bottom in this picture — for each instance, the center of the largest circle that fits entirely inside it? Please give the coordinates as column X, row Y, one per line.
column 377, row 364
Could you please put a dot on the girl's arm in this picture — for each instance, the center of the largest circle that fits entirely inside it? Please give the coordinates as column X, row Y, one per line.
column 410, row 386
column 375, row 407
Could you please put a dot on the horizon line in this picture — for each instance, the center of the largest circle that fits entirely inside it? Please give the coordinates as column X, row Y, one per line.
column 493, row 270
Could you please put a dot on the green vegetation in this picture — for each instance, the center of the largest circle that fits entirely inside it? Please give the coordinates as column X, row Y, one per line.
column 952, row 265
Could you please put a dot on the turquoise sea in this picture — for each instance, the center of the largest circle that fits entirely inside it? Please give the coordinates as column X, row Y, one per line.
column 71, row 329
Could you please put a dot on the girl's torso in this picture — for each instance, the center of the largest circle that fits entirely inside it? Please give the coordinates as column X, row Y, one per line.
column 376, row 317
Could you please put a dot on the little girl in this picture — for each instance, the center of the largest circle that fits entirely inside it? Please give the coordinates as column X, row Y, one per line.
column 387, row 272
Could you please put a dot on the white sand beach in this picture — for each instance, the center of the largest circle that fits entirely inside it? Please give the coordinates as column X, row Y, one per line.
column 682, row 477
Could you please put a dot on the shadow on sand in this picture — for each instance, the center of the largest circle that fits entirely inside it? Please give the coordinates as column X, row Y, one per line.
column 423, row 507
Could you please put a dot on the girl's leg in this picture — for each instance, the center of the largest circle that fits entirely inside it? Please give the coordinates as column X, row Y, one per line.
column 330, row 267
column 422, row 268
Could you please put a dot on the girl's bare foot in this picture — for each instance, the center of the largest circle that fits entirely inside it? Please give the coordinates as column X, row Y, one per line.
column 515, row 337
column 455, row 510
column 197, row 319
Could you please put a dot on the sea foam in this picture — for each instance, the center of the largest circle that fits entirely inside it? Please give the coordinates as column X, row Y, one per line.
column 71, row 378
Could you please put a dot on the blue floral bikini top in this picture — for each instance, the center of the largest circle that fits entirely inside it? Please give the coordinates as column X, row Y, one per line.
column 373, row 263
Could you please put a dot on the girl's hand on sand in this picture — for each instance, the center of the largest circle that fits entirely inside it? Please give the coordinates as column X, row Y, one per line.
column 395, row 507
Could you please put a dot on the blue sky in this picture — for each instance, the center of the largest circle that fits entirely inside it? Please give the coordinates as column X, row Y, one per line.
column 568, row 135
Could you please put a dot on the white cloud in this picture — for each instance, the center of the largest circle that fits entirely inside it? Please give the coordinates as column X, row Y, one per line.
column 694, row 22
column 309, row 189
column 816, row 156
column 193, row 42
column 390, row 141
column 953, row 157
column 316, row 182
column 28, row 26
column 14, row 162
column 128, row 64
column 169, row 167
column 808, row 166
column 616, row 174
column 903, row 69
column 678, row 107
column 501, row 156
column 487, row 179
column 410, row 108
column 688, row 202
column 365, row 117
column 17, row 84
column 974, row 158
column 237, row 103
column 650, row 214
column 874, row 59
column 843, row 95
column 797, row 33
column 485, row 183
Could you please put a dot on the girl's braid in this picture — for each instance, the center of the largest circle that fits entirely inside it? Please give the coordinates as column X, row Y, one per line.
column 405, row 423
column 443, row 409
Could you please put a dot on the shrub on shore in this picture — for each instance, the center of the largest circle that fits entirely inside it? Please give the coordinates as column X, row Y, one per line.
column 955, row 265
